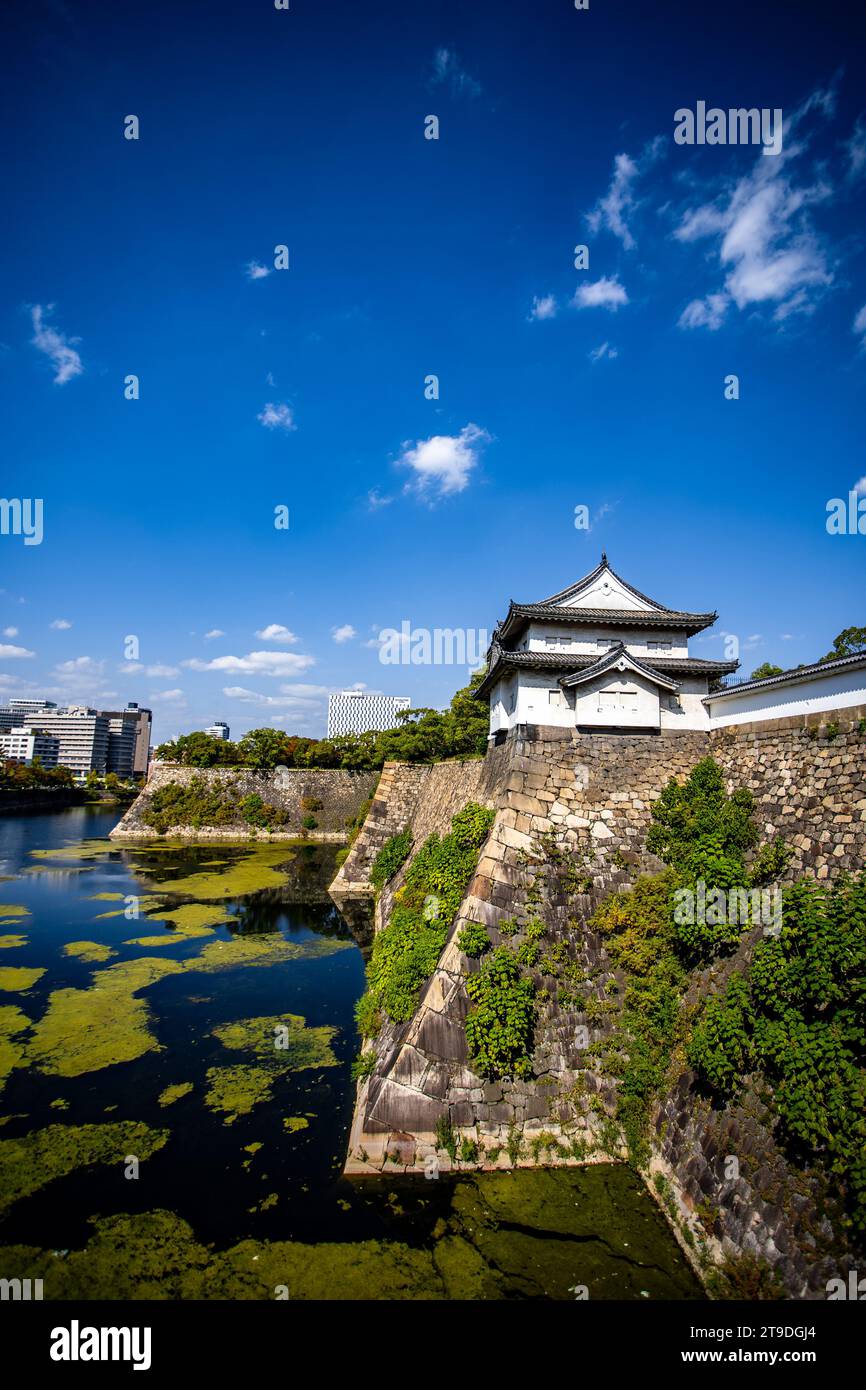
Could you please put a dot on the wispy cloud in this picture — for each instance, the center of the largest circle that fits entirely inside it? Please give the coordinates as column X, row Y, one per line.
column 615, row 209
column 448, row 69
column 856, row 149
column 60, row 624
column 443, row 463
column 275, row 632
column 859, row 326
column 375, row 500
column 55, row 345
column 214, row 632
column 606, row 293
column 766, row 245
column 277, row 417
column 10, row 632
column 344, row 633
column 255, row 271
column 14, row 653
column 604, row 350
column 543, row 308
column 256, row 663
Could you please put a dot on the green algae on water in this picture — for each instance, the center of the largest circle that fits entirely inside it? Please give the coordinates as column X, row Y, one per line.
column 17, row 979
column 83, row 849
column 10, row 910
column 282, row 1040
column 295, row 1122
column 260, row 867
column 88, row 950
column 7, row 942
column 272, row 949
column 105, row 897
column 235, row 1090
column 84, row 1030
column 12, row 1022
column 173, row 1093
column 29, row 1163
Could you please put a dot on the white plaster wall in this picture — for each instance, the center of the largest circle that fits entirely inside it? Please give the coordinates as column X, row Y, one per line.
column 636, row 706
column 835, row 691
column 533, row 702
column 692, row 713
column 587, row 643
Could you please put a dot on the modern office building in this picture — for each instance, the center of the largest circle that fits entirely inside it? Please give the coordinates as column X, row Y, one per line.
column 129, row 740
column 26, row 706
column 356, row 712
column 22, row 745
column 218, row 730
column 83, row 736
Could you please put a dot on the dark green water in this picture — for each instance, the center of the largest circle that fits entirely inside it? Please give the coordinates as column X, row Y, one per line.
column 230, row 1200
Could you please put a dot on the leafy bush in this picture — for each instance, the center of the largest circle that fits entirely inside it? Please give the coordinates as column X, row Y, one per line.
column 391, row 857
column 364, row 1065
column 500, row 1023
column 473, row 940
column 196, row 803
column 406, row 951
column 445, row 1137
column 368, row 1016
column 468, row 1151
column 701, row 831
column 800, row 1019
column 260, row 813
column 309, row 822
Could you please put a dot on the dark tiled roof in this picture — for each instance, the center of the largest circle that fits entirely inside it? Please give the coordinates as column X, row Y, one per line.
column 633, row 617
column 566, row 663
column 611, row 659
column 817, row 668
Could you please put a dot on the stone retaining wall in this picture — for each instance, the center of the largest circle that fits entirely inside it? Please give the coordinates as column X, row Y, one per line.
column 341, row 793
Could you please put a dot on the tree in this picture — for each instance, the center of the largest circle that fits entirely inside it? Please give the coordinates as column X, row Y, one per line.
column 263, row 748
column 849, row 642
column 765, row 669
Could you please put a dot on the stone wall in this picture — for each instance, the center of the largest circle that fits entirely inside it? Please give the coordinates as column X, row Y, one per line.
column 593, row 795
column 341, row 793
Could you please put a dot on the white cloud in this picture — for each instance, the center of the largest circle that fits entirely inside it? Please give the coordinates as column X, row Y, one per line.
column 161, row 670
column 55, row 345
column 277, row 417
column 543, row 308
column 214, row 632
column 60, row 625
column 447, row 68
column 606, row 293
column 344, row 633
column 860, row 486
column 80, row 666
column 275, row 632
column 10, row 632
column 14, row 653
column 766, row 245
column 375, row 500
column 604, row 350
column 170, row 697
column 444, row 462
column 859, row 325
column 705, row 313
column 256, row 663
column 256, row 271
column 291, row 697
column 614, row 210
column 130, row 668
column 856, row 148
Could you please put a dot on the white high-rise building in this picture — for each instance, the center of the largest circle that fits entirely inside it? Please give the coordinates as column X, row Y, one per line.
column 356, row 712
column 24, row 744
column 219, row 730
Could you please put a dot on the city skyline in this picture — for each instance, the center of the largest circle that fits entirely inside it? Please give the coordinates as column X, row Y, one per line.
column 310, row 388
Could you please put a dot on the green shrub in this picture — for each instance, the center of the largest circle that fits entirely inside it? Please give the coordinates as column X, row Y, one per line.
column 309, row 822
column 501, row 1020
column 368, row 1016
column 195, row 803
column 364, row 1066
column 391, row 857
column 468, row 1151
column 445, row 1137
column 406, row 951
column 260, row 813
column 473, row 940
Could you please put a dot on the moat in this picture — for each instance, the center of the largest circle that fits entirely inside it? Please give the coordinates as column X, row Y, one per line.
column 210, row 1039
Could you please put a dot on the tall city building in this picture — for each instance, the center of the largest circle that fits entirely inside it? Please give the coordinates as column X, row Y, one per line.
column 83, row 737
column 23, row 744
column 129, row 740
column 26, row 706
column 218, row 730
column 356, row 712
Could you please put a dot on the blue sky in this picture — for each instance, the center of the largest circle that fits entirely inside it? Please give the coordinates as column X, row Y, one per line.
column 409, row 257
